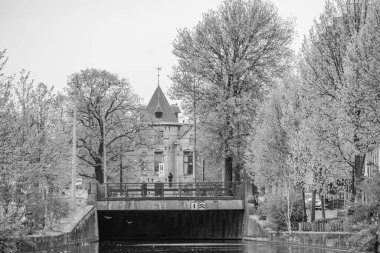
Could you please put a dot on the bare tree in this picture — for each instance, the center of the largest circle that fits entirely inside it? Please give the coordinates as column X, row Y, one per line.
column 104, row 99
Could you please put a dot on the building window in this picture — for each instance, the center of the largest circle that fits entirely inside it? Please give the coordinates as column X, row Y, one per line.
column 158, row 114
column 188, row 162
column 143, row 163
column 191, row 139
column 158, row 160
column 160, row 136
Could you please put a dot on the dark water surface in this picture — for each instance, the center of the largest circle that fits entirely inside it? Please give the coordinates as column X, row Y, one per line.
column 200, row 247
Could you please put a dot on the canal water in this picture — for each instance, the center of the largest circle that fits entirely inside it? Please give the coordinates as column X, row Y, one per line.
column 189, row 247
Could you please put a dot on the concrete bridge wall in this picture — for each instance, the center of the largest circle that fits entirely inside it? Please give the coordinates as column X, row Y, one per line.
column 84, row 230
column 173, row 224
column 174, row 204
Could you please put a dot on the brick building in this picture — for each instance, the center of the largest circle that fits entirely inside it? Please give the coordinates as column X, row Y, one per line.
column 173, row 153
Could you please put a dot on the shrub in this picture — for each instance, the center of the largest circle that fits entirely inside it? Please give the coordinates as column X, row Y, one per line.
column 365, row 240
column 57, row 208
column 364, row 213
column 12, row 234
column 276, row 209
column 252, row 209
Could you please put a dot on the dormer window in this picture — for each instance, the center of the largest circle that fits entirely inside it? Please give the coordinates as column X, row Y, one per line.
column 158, row 114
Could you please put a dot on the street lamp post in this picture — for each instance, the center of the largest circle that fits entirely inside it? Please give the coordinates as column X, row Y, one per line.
column 74, row 155
column 104, row 156
column 195, row 138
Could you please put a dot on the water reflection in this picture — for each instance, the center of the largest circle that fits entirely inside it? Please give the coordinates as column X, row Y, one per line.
column 209, row 247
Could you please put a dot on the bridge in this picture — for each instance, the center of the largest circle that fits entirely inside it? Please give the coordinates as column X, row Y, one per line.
column 201, row 210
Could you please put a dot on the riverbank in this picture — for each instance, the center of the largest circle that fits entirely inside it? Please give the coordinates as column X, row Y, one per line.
column 75, row 230
column 333, row 240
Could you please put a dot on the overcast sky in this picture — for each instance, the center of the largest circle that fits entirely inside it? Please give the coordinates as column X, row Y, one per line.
column 55, row 38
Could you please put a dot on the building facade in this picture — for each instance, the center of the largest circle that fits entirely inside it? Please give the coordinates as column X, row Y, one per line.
column 171, row 157
column 372, row 162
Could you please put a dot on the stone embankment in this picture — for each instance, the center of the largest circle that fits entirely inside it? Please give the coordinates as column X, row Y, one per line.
column 82, row 229
column 256, row 232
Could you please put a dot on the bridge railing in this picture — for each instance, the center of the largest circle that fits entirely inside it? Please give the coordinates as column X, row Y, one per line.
column 114, row 191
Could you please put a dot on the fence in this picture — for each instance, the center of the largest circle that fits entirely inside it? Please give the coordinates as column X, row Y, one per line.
column 321, row 226
column 114, row 191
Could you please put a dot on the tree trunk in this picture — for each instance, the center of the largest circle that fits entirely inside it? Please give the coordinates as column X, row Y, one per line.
column 312, row 218
column 359, row 166
column 304, row 214
column 323, row 206
column 99, row 173
column 289, row 208
column 121, row 171
column 99, row 170
column 353, row 182
column 228, row 171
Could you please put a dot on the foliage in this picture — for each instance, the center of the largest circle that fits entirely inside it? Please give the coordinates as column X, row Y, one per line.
column 226, row 63
column 268, row 150
column 340, row 121
column 107, row 103
column 11, row 235
column 316, row 126
column 56, row 210
column 275, row 207
column 371, row 186
column 210, row 149
column 365, row 240
column 366, row 213
column 33, row 151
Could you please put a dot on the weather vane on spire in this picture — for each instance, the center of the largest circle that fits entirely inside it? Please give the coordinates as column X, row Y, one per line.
column 158, row 74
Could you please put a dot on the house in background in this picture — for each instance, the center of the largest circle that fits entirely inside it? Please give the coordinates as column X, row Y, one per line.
column 372, row 162
column 173, row 153
column 371, row 167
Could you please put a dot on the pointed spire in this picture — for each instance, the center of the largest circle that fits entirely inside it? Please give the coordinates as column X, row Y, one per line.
column 160, row 108
column 158, row 75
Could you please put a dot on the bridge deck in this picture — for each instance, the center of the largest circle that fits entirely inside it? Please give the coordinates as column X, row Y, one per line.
column 170, row 204
column 170, row 196
column 159, row 190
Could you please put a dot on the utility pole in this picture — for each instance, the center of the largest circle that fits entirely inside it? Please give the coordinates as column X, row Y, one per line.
column 203, row 170
column 195, row 139
column 121, row 169
column 74, row 160
column 104, row 156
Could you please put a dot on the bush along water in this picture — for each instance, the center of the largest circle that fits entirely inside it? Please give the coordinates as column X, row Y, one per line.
column 364, row 221
column 275, row 208
column 35, row 216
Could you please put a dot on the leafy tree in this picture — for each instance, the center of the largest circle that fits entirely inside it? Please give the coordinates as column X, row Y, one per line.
column 339, row 122
column 268, row 150
column 209, row 152
column 106, row 102
column 32, row 151
column 235, row 53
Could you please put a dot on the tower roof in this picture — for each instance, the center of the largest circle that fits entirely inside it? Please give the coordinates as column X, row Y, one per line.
column 159, row 103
